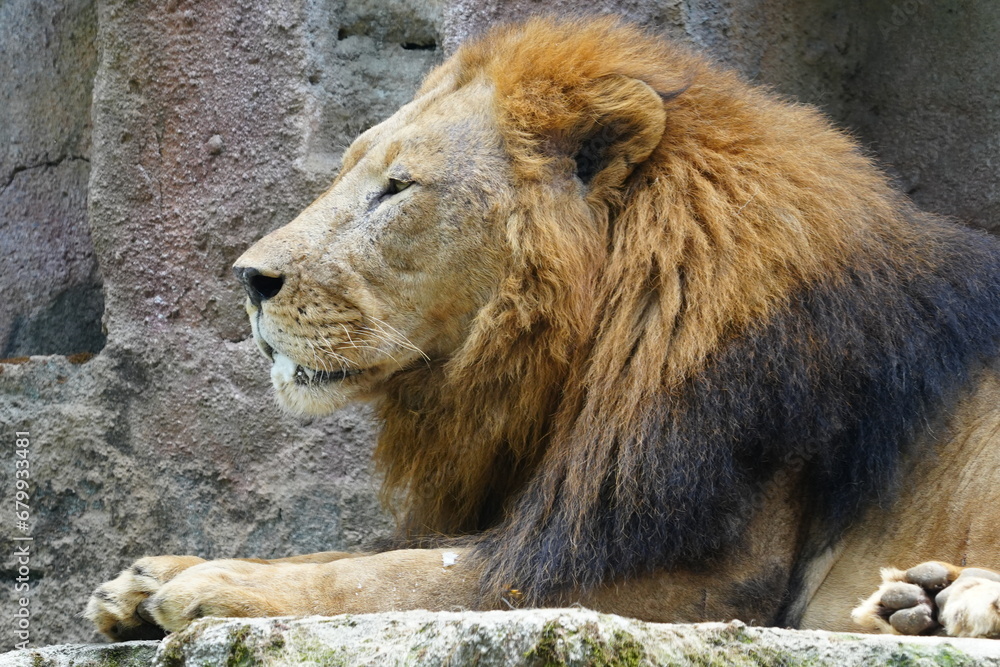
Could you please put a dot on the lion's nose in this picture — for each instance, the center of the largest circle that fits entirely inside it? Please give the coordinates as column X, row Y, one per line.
column 259, row 286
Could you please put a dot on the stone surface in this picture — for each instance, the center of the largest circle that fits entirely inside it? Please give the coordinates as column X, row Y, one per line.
column 51, row 284
column 548, row 637
column 145, row 144
column 213, row 123
column 129, row 654
column 928, row 98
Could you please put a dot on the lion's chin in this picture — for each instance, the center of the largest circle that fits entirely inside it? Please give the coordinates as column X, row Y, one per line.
column 306, row 391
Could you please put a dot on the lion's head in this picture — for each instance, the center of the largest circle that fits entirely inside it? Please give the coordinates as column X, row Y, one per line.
column 600, row 291
column 388, row 268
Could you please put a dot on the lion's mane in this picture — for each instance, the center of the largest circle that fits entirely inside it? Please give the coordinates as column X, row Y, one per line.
column 751, row 294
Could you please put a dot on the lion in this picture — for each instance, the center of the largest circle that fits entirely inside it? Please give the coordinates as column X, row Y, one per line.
column 641, row 336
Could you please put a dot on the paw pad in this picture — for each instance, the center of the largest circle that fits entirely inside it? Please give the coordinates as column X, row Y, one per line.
column 934, row 597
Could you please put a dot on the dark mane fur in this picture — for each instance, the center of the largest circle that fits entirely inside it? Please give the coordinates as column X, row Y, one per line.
column 843, row 378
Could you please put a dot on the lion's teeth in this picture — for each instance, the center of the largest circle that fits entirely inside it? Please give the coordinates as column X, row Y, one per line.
column 285, row 370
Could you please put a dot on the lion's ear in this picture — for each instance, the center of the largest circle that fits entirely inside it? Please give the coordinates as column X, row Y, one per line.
column 623, row 123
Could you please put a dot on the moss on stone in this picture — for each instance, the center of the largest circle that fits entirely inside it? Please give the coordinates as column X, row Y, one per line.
column 174, row 648
column 945, row 656
column 171, row 654
column 622, row 650
column 240, row 654
column 312, row 653
column 550, row 649
column 558, row 646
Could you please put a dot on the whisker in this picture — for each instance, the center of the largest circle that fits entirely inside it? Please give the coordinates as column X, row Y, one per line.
column 381, row 337
column 392, row 341
column 407, row 341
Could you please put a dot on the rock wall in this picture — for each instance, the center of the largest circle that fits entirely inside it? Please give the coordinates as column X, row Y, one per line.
column 51, row 284
column 145, row 144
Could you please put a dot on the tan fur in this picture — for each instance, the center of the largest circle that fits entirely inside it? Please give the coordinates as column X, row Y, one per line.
column 493, row 304
column 938, row 517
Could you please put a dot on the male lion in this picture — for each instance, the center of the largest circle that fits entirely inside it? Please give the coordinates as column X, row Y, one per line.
column 642, row 337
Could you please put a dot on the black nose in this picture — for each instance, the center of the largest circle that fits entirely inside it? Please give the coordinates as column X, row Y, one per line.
column 259, row 287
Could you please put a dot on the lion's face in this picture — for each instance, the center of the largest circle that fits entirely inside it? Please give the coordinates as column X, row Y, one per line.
column 386, row 270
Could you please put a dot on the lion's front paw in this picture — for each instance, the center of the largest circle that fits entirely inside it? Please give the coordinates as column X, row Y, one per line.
column 934, row 597
column 219, row 588
column 118, row 607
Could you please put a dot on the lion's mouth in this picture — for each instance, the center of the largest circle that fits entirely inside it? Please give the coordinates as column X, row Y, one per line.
column 286, row 370
column 305, row 375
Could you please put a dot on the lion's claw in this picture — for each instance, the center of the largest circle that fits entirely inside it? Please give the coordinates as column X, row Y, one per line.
column 933, row 597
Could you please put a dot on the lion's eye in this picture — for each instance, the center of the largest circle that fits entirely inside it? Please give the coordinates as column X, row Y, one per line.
column 396, row 186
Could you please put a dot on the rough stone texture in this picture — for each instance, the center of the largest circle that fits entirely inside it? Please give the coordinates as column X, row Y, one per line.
column 549, row 637
column 212, row 123
column 128, row 654
column 51, row 286
column 928, row 97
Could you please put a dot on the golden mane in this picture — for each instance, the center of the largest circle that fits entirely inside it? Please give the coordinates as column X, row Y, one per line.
column 604, row 341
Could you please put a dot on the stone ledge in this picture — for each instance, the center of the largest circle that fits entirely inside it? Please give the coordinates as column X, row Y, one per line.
column 528, row 637
column 127, row 654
